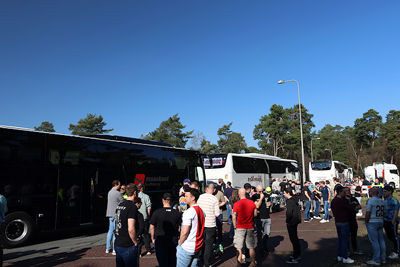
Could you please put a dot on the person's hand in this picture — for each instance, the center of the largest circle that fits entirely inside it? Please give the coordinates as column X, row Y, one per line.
column 153, row 240
column 261, row 195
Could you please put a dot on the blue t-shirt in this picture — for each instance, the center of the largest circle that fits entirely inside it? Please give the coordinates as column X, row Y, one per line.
column 377, row 208
column 325, row 193
column 391, row 206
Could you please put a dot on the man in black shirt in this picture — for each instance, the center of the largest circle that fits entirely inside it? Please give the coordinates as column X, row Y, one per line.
column 263, row 220
column 293, row 218
column 282, row 185
column 164, row 229
column 126, row 243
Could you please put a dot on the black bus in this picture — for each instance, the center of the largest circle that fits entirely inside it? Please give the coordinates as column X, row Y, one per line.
column 56, row 181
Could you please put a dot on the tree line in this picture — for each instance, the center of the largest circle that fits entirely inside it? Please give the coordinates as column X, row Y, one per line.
column 369, row 140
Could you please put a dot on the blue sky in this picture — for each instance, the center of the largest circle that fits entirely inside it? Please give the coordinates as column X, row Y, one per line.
column 139, row 62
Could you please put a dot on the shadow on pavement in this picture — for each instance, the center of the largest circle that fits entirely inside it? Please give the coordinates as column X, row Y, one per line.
column 50, row 261
column 14, row 255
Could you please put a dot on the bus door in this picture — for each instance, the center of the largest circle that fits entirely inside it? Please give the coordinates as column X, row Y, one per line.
column 89, row 178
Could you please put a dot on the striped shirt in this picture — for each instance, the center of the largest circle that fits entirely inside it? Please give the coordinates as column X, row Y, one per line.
column 194, row 217
column 210, row 206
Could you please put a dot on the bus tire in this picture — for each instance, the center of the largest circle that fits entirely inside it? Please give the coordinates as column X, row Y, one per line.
column 17, row 229
column 392, row 185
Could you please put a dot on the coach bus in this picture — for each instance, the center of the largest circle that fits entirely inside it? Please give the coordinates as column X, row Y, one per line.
column 250, row 168
column 327, row 170
column 56, row 181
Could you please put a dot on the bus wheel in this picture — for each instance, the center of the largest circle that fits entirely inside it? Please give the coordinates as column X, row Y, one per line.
column 18, row 228
column 392, row 185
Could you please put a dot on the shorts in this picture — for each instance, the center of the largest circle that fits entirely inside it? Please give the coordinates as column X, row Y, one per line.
column 242, row 235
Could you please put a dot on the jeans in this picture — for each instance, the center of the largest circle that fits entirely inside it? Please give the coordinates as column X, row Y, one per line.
column 294, row 239
column 185, row 258
column 307, row 210
column 110, row 234
column 326, row 210
column 343, row 230
column 165, row 252
column 375, row 235
column 206, row 254
column 263, row 227
column 219, row 228
column 353, row 233
column 317, row 205
column 229, row 213
column 127, row 257
column 391, row 233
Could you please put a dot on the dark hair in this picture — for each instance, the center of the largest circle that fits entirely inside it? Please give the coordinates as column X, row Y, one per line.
column 140, row 186
column 339, row 189
column 194, row 192
column 247, row 186
column 235, row 195
column 115, row 182
column 137, row 200
column 288, row 191
column 130, row 189
column 229, row 183
column 388, row 188
column 322, row 182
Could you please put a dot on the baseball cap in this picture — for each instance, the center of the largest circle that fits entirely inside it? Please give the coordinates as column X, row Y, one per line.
column 167, row 196
column 186, row 181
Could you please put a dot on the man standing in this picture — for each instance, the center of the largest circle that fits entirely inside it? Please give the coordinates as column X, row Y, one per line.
column 374, row 221
column 126, row 243
column 191, row 240
column 341, row 209
column 293, row 218
column 263, row 220
column 326, row 197
column 275, row 185
column 221, row 202
column 353, row 226
column 210, row 206
column 113, row 199
column 390, row 221
column 227, row 194
column 145, row 210
column 244, row 212
column 306, row 197
column 164, row 229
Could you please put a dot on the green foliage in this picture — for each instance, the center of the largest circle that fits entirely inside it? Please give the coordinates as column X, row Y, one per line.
column 391, row 131
column 92, row 124
column 229, row 141
column 366, row 129
column 208, row 148
column 170, row 131
column 45, row 126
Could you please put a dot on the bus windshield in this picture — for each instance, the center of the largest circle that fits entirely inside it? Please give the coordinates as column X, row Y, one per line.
column 214, row 161
column 321, row 165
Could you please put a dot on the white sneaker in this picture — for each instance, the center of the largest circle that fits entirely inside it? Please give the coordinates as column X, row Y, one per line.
column 108, row 251
column 348, row 260
column 393, row 255
column 114, row 253
column 339, row 259
column 359, row 214
column 372, row 262
column 323, row 221
column 317, row 217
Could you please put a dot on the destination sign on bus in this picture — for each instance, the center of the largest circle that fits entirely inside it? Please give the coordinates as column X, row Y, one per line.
column 206, row 162
column 217, row 162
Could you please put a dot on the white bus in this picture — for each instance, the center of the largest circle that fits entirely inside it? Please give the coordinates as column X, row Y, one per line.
column 327, row 170
column 249, row 168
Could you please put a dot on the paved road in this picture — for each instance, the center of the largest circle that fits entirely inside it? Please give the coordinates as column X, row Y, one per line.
column 318, row 244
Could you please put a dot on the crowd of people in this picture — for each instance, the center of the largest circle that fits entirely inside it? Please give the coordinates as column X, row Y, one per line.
column 190, row 234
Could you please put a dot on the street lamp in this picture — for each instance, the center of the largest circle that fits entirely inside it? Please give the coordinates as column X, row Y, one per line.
column 311, row 147
column 301, row 128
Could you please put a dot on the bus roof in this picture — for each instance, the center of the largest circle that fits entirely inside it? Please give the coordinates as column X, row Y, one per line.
column 109, row 138
column 257, row 155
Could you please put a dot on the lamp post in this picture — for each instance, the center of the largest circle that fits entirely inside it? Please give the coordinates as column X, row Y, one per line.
column 311, row 147
column 301, row 128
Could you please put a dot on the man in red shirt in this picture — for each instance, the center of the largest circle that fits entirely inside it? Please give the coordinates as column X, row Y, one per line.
column 244, row 212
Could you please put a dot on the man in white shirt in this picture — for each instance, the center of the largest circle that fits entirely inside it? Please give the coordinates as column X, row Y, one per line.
column 210, row 206
column 191, row 240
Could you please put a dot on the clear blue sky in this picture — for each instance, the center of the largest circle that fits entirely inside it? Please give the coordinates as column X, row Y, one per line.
column 138, row 62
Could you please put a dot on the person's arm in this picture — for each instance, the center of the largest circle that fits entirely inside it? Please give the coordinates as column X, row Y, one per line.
column 148, row 206
column 152, row 233
column 132, row 230
column 306, row 193
column 367, row 216
column 234, row 216
column 222, row 203
column 260, row 200
column 255, row 212
column 184, row 234
column 216, row 208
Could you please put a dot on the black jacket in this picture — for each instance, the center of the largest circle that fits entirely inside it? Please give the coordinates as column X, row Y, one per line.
column 293, row 215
